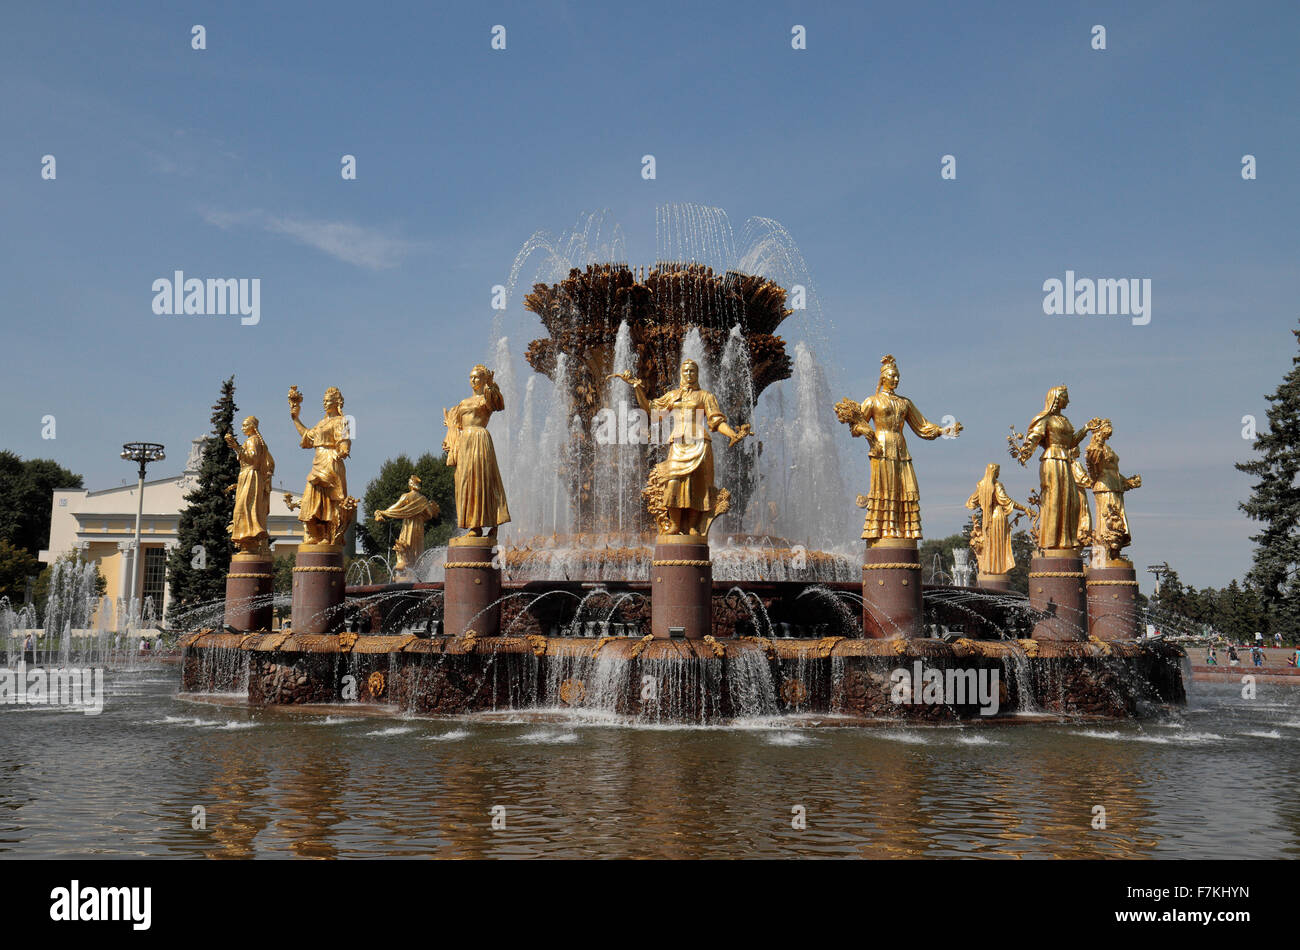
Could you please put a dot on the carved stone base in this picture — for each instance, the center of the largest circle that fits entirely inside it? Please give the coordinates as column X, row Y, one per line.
column 1056, row 588
column 249, row 586
column 472, row 589
column 318, row 589
column 1112, row 601
column 891, row 589
column 681, row 587
column 994, row 582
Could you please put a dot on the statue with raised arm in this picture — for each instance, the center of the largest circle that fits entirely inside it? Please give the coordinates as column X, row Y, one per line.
column 253, row 490
column 1108, row 487
column 326, row 509
column 1059, row 510
column 480, row 495
column 680, row 493
column 893, row 502
column 995, row 506
column 413, row 510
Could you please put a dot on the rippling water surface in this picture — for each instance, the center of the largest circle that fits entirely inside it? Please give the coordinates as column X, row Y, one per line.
column 1217, row 780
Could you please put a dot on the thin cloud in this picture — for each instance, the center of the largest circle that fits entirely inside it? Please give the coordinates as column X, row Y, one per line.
column 351, row 243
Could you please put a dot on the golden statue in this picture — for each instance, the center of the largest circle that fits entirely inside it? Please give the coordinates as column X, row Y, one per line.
column 253, row 490
column 893, row 502
column 413, row 510
column 1109, row 486
column 680, row 493
column 1058, row 507
column 992, row 544
column 480, row 496
column 326, row 509
column 1081, row 479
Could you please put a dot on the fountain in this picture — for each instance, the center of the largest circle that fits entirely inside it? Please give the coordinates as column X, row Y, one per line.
column 656, row 575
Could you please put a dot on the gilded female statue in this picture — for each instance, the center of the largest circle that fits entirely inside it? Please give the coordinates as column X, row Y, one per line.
column 1083, row 482
column 681, row 493
column 326, row 509
column 996, row 508
column 480, row 496
column 1058, row 515
column 1108, row 487
column 413, row 510
column 893, row 502
column 253, row 490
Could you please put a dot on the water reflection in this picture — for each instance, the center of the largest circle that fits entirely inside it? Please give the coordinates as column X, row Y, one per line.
column 1214, row 781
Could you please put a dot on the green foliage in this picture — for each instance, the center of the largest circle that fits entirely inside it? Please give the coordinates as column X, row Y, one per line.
column 26, row 497
column 1275, row 500
column 944, row 547
column 437, row 483
column 206, row 517
column 1022, row 549
column 283, row 583
column 16, row 565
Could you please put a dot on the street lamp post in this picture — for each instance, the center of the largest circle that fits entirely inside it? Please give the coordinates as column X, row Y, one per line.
column 143, row 453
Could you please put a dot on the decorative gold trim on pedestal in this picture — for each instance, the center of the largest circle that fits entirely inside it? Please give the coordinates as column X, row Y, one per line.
column 469, row 541
column 1113, row 583
column 1059, row 552
column 904, row 543
column 259, row 576
column 681, row 563
column 892, row 566
column 1056, row 574
column 318, row 569
column 681, row 539
column 479, row 564
column 320, row 549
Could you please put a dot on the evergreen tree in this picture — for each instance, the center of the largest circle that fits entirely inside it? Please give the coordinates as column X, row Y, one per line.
column 203, row 524
column 437, row 483
column 1275, row 498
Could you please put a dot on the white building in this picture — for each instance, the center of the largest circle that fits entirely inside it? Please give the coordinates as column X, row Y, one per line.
column 101, row 524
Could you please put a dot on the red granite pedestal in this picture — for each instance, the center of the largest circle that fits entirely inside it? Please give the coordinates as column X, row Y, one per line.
column 249, row 586
column 681, row 587
column 472, row 589
column 1056, row 588
column 1112, row 600
column 994, row 582
column 318, row 588
column 891, row 589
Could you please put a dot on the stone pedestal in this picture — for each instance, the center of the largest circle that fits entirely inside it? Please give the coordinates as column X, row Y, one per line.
column 472, row 589
column 1112, row 600
column 249, row 586
column 891, row 589
column 1056, row 588
column 993, row 582
column 681, row 587
column 318, row 588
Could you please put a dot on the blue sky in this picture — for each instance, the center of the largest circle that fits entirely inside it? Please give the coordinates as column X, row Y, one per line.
column 225, row 163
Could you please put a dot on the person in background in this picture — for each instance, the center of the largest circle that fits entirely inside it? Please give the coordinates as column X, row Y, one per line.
column 1277, row 639
column 1259, row 639
column 1233, row 658
column 29, row 650
column 1212, row 658
column 1257, row 655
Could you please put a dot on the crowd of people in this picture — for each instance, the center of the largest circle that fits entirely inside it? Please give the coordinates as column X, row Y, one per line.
column 1233, row 651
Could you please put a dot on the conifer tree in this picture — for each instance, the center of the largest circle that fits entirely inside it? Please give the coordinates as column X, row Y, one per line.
column 1275, row 498
column 196, row 568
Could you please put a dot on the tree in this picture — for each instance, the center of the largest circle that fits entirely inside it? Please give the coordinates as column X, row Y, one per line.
column 437, row 483
column 26, row 494
column 199, row 576
column 283, row 583
column 1022, row 549
column 1275, row 498
column 16, row 566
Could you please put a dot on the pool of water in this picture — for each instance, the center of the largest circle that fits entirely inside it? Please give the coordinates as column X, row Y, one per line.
column 1216, row 780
